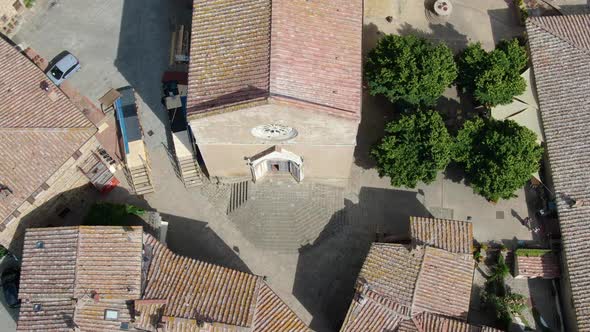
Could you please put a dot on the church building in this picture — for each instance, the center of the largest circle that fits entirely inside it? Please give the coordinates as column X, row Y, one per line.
column 275, row 86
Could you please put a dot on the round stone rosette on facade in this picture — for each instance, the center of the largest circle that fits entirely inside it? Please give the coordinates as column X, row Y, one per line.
column 274, row 131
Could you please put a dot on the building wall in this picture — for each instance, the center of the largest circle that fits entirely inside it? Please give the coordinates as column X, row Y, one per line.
column 43, row 208
column 10, row 15
column 325, row 142
column 329, row 162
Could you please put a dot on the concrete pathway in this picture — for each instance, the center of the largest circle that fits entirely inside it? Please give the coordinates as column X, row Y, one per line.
column 486, row 21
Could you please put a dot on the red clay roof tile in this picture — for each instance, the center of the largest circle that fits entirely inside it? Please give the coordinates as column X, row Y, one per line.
column 305, row 51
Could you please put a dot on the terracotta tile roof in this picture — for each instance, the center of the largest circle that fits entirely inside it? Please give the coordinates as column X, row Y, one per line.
column 272, row 314
column 392, row 270
column 407, row 325
column 37, row 133
column 75, row 264
column 560, row 54
column 444, row 283
column 55, row 316
column 47, row 278
column 307, row 51
column 90, row 315
column 229, row 52
column 372, row 312
column 452, row 235
column 316, row 52
column 198, row 290
column 49, row 272
column 537, row 266
column 63, row 266
column 109, row 262
column 148, row 313
column 437, row 323
column 397, row 283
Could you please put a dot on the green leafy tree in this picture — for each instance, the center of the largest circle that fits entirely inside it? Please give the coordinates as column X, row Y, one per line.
column 3, row 251
column 409, row 69
column 498, row 156
column 414, row 149
column 493, row 77
column 109, row 214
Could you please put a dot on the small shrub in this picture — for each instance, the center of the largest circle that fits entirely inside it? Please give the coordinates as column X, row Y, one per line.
column 532, row 252
column 505, row 304
column 29, row 3
column 477, row 256
column 3, row 251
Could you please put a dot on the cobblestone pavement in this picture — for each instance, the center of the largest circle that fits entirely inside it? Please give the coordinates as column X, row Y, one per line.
column 283, row 215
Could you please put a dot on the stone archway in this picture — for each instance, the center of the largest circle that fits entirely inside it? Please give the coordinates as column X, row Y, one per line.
column 276, row 159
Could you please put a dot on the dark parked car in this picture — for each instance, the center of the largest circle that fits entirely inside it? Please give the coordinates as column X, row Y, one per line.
column 10, row 279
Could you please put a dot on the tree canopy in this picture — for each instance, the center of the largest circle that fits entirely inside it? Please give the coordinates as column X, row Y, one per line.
column 498, row 156
column 493, row 77
column 409, row 69
column 109, row 214
column 414, row 149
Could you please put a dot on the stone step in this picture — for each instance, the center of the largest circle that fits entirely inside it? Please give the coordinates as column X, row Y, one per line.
column 190, row 172
column 238, row 195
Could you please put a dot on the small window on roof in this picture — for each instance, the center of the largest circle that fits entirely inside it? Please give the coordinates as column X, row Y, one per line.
column 39, row 245
column 110, row 314
column 37, row 307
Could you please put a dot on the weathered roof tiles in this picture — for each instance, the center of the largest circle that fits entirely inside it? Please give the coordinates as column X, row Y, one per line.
column 560, row 54
column 308, row 52
column 37, row 133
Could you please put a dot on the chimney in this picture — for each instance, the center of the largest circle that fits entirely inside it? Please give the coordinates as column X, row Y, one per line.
column 49, row 91
column 4, row 191
column 94, row 295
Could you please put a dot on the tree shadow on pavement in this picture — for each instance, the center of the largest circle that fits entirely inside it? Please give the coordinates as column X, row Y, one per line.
column 505, row 23
column 328, row 268
column 443, row 33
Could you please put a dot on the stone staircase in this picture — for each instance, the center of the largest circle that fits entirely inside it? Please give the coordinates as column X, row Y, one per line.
column 140, row 180
column 190, row 172
column 238, row 195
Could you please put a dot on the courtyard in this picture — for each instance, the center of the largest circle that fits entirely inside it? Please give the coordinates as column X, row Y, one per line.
column 123, row 43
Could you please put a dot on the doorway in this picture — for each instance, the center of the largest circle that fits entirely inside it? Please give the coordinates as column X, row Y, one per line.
column 276, row 160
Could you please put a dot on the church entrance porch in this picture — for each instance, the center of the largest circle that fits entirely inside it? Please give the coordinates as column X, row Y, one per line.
column 276, row 160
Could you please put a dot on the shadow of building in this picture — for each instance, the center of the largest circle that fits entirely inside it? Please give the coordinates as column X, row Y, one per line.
column 328, row 268
column 194, row 239
column 144, row 48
